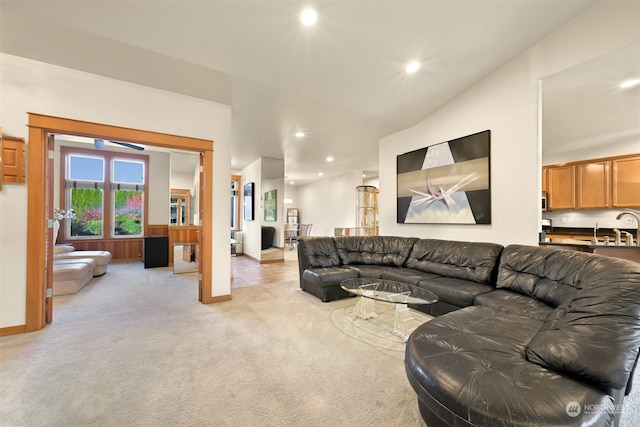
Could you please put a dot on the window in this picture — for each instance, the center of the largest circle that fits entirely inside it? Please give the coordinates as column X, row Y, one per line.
column 106, row 190
column 235, row 202
column 180, row 212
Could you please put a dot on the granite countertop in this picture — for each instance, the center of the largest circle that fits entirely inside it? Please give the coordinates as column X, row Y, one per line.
column 585, row 243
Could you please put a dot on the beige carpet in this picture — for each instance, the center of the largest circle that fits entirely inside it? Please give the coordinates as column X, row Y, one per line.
column 135, row 348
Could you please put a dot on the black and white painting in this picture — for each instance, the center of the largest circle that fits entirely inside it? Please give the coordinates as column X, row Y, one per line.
column 446, row 183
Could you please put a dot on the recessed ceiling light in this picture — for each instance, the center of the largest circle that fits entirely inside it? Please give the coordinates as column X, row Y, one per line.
column 329, row 159
column 412, row 67
column 320, row 174
column 291, row 182
column 629, row 83
column 299, row 134
column 308, row 17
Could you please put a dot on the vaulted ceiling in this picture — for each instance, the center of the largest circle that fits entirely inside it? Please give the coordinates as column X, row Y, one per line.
column 341, row 82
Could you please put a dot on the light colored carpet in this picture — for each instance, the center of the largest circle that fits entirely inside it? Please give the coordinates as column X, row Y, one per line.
column 135, row 348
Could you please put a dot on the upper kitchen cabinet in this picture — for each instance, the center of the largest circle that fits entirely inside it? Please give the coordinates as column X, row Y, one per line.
column 593, row 189
column 561, row 187
column 606, row 183
column 626, row 182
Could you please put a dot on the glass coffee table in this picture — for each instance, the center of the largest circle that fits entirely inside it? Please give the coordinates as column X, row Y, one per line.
column 397, row 293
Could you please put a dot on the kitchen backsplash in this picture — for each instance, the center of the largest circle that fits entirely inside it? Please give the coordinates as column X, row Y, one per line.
column 606, row 218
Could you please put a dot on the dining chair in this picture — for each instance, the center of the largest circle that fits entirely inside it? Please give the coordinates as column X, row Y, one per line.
column 290, row 235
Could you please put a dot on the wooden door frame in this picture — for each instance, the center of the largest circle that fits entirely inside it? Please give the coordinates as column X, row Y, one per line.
column 38, row 232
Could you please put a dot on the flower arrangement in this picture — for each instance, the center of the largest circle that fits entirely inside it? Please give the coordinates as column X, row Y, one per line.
column 61, row 214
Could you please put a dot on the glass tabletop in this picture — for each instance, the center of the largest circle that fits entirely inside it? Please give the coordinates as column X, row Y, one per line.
column 389, row 291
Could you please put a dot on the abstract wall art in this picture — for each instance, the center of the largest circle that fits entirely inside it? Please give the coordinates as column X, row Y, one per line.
column 270, row 205
column 446, row 183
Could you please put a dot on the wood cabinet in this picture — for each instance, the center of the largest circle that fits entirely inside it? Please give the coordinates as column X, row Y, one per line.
column 1, row 175
column 606, row 183
column 13, row 160
column 626, row 182
column 561, row 187
column 593, row 185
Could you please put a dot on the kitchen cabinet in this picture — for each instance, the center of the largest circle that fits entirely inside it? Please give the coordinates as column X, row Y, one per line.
column 606, row 183
column 626, row 182
column 1, row 174
column 593, row 186
column 561, row 187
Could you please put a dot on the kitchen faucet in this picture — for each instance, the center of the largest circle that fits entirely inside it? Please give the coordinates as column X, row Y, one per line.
column 629, row 238
column 637, row 222
column 618, row 241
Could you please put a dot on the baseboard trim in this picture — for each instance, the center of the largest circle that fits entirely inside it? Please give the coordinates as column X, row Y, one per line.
column 219, row 298
column 270, row 261
column 13, row 330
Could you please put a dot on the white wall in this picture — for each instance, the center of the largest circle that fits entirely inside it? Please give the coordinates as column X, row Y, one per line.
column 607, row 150
column 329, row 203
column 32, row 86
column 506, row 103
column 182, row 181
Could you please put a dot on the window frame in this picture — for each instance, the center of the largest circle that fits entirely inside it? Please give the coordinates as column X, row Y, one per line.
column 183, row 199
column 235, row 208
column 108, row 188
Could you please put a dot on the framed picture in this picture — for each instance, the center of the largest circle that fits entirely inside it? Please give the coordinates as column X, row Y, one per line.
column 270, row 205
column 248, row 201
column 446, row 183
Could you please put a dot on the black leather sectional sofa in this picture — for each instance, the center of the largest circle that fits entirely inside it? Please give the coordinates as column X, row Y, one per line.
column 524, row 336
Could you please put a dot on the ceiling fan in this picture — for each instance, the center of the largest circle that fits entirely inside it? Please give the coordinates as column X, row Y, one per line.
column 100, row 144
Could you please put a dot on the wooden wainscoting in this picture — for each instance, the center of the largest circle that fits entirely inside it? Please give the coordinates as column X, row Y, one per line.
column 156, row 230
column 121, row 249
column 181, row 234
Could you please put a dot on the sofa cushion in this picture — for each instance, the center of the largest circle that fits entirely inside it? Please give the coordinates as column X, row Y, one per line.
column 471, row 365
column 70, row 277
column 319, row 252
column 595, row 336
column 370, row 271
column 330, row 276
column 514, row 303
column 376, row 250
column 551, row 276
column 102, row 259
column 406, row 275
column 461, row 260
column 62, row 249
column 458, row 292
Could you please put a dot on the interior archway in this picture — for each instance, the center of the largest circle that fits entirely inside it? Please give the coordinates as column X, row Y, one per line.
column 39, row 253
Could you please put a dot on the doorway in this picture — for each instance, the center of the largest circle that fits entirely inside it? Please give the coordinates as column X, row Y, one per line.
column 39, row 309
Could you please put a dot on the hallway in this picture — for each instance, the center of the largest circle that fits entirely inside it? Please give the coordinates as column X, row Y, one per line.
column 249, row 272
